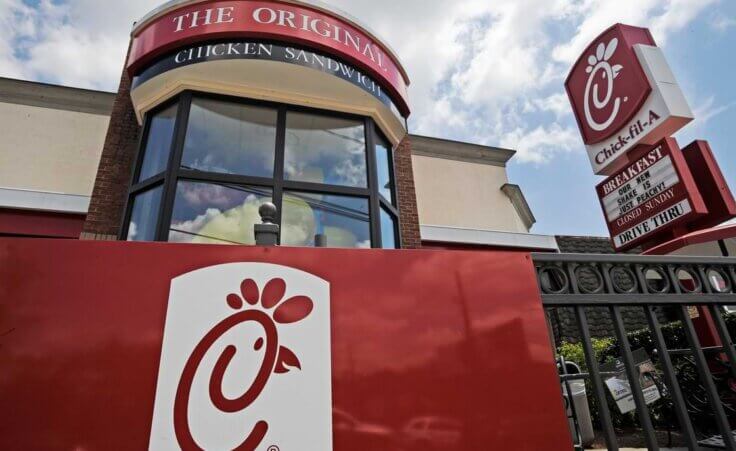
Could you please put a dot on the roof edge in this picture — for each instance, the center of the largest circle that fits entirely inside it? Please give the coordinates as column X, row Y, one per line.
column 460, row 151
column 520, row 204
column 459, row 235
column 44, row 95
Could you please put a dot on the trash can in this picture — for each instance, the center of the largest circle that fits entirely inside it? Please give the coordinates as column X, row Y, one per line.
column 580, row 400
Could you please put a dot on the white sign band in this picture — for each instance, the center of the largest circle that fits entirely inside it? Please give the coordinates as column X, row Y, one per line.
column 657, row 179
column 653, row 224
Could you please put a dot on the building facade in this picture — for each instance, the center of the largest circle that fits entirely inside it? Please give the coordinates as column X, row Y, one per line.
column 212, row 119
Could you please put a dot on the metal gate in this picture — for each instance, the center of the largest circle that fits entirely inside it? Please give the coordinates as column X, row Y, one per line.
column 698, row 378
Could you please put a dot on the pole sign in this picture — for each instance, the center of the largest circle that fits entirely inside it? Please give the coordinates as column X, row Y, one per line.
column 623, row 94
column 654, row 193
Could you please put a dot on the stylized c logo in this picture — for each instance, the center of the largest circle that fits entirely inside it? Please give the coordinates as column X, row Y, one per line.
column 277, row 359
column 599, row 63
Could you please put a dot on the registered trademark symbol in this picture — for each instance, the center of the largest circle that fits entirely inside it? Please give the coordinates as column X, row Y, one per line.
column 273, row 448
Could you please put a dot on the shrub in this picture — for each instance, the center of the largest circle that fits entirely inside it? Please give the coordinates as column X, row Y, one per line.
column 607, row 349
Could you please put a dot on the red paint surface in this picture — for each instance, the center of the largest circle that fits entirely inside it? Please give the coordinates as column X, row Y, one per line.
column 631, row 83
column 686, row 189
column 717, row 196
column 455, row 335
column 701, row 236
column 40, row 224
column 711, row 184
column 161, row 36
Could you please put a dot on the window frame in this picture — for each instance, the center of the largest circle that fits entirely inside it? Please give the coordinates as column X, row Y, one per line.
column 278, row 184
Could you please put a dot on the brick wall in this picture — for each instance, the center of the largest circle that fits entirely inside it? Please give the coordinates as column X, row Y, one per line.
column 410, row 234
column 110, row 192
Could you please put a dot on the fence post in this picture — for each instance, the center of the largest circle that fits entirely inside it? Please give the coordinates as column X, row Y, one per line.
column 267, row 233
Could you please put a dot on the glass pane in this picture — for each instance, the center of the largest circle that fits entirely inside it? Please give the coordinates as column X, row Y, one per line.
column 388, row 230
column 230, row 138
column 216, row 214
column 323, row 149
column 383, row 160
column 144, row 216
column 158, row 143
column 344, row 221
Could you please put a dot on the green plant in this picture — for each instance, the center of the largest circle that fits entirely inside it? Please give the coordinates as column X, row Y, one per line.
column 607, row 349
column 573, row 352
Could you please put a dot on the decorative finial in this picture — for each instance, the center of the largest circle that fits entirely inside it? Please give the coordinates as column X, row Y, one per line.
column 268, row 213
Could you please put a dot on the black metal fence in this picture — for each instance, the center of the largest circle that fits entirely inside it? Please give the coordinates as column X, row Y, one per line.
column 703, row 400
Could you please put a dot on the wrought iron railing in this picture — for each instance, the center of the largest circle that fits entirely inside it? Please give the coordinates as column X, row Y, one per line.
column 651, row 284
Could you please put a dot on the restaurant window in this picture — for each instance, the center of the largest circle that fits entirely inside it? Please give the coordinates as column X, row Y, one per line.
column 342, row 221
column 144, row 214
column 158, row 143
column 212, row 213
column 207, row 163
column 230, row 138
column 325, row 150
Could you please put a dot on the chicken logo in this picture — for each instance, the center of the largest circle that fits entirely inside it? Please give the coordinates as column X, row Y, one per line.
column 608, row 86
column 241, row 383
column 599, row 64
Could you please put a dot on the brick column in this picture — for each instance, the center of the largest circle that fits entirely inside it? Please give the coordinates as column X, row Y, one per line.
column 410, row 233
column 110, row 192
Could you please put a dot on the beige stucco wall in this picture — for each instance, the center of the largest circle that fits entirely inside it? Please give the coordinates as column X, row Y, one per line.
column 50, row 150
column 461, row 194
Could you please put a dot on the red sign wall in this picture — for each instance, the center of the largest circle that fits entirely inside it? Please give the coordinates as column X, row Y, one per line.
column 88, row 338
column 654, row 193
column 282, row 21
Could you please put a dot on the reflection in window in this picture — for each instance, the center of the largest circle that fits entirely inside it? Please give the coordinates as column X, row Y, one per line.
column 327, row 150
column 388, row 230
column 144, row 215
column 158, row 143
column 383, row 161
column 230, row 138
column 343, row 220
column 216, row 214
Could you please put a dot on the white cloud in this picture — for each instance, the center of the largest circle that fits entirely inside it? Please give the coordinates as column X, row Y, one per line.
column 559, row 104
column 722, row 23
column 16, row 23
column 483, row 71
column 704, row 113
column 76, row 43
column 541, row 144
column 708, row 110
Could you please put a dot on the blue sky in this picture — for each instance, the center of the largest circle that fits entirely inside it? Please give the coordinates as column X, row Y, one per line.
column 488, row 72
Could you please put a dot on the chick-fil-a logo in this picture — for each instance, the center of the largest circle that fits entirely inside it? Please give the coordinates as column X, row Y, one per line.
column 607, row 86
column 599, row 64
column 246, row 349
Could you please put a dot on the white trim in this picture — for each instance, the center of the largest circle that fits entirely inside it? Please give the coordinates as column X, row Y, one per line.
column 426, row 146
column 520, row 204
column 44, row 201
column 456, row 235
